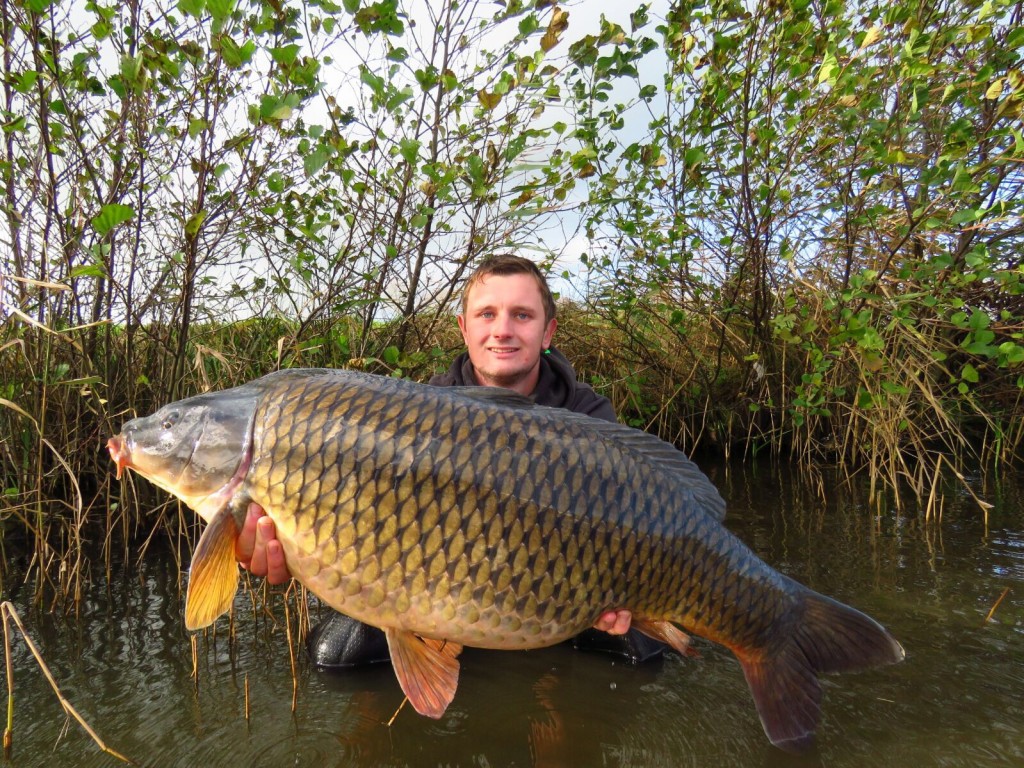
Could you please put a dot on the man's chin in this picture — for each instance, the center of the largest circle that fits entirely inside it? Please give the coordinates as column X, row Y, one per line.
column 507, row 379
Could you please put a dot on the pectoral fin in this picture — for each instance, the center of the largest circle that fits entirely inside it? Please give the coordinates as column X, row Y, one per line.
column 666, row 632
column 427, row 670
column 213, row 576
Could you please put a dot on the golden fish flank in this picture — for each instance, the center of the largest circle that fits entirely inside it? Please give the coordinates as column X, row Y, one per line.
column 451, row 517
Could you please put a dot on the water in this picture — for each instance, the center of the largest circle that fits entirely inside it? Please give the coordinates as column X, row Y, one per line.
column 125, row 662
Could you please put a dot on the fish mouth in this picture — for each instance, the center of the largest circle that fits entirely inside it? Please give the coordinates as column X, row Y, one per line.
column 120, row 453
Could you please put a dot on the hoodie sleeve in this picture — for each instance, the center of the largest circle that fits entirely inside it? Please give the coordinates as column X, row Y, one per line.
column 558, row 386
column 586, row 401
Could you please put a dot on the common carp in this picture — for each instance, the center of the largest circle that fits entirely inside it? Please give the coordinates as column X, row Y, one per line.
column 471, row 516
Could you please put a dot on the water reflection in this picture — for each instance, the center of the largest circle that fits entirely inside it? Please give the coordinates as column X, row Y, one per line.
column 125, row 662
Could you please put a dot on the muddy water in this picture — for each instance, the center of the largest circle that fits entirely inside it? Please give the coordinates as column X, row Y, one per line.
column 126, row 663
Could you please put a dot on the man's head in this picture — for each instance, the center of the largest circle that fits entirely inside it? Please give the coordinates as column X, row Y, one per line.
column 507, row 264
column 507, row 321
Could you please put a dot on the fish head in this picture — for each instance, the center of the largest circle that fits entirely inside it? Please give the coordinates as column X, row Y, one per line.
column 198, row 449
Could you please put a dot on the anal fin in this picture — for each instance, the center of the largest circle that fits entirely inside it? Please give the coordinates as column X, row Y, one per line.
column 427, row 670
column 666, row 632
column 213, row 575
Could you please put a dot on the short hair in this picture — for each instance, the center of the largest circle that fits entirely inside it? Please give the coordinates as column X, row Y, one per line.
column 503, row 265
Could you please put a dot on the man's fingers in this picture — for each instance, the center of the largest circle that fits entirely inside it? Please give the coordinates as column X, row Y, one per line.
column 258, row 549
column 622, row 622
column 246, row 542
column 264, row 533
column 614, row 622
column 277, row 568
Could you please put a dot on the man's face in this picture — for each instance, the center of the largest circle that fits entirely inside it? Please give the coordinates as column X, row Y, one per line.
column 505, row 331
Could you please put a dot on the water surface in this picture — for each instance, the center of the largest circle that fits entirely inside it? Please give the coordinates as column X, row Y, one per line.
column 126, row 663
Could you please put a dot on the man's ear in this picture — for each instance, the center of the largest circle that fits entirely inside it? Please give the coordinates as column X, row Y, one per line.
column 462, row 326
column 550, row 332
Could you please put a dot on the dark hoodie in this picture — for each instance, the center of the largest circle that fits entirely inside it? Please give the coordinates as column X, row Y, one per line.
column 557, row 386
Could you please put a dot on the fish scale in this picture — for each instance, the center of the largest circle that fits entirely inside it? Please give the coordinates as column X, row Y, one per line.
column 471, row 516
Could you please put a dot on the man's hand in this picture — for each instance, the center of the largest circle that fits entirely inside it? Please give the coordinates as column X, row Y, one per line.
column 614, row 622
column 259, row 550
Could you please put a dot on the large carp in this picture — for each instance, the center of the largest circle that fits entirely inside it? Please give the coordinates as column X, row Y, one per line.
column 471, row 516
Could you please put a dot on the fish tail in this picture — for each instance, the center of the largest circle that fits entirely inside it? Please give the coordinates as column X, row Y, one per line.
column 783, row 678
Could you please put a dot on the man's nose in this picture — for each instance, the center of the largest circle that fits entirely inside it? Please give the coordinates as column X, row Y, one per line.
column 502, row 327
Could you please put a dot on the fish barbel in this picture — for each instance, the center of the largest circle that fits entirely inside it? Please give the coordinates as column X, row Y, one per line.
column 471, row 516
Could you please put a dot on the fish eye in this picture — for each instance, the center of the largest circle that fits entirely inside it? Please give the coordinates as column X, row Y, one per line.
column 169, row 420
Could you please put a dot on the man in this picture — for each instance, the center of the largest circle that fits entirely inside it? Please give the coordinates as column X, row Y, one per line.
column 507, row 322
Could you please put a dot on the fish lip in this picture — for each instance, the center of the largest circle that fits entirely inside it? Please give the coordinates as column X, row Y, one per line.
column 120, row 453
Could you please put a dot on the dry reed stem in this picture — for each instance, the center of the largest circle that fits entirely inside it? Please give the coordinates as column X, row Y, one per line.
column 291, row 649
column 8, row 611
column 195, row 660
column 394, row 716
column 992, row 611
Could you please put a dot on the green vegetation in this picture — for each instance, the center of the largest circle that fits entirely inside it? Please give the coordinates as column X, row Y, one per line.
column 801, row 221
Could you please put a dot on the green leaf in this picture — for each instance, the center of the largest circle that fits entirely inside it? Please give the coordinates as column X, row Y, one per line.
column 528, row 25
column 693, row 156
column 111, row 216
column 966, row 216
column 276, row 109
column 195, row 223
column 316, row 159
column 1010, row 353
column 195, row 127
column 829, row 69
column 276, row 182
column 235, row 55
column 410, row 149
column 375, row 83
column 979, row 320
column 89, row 270
column 286, row 54
column 25, row 81
column 969, row 373
column 17, row 124
column 193, row 8
column 220, row 9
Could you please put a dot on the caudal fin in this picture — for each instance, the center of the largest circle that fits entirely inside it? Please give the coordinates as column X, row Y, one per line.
column 783, row 678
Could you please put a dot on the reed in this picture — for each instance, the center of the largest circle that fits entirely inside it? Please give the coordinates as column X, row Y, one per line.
column 10, row 614
column 995, row 606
